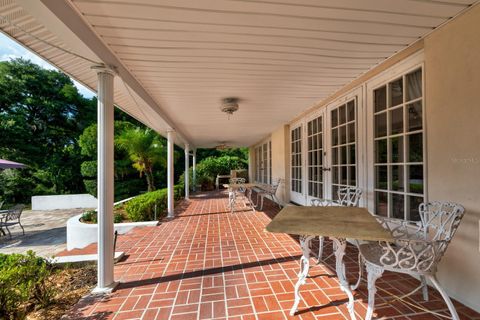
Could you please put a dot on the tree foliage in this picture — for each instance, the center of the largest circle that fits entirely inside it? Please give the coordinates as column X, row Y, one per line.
column 41, row 116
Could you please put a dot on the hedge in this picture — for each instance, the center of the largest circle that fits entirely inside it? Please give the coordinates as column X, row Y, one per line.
column 142, row 208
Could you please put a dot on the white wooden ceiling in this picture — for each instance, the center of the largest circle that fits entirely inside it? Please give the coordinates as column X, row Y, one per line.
column 280, row 57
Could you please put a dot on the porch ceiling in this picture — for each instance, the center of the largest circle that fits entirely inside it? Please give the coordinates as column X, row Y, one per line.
column 280, row 57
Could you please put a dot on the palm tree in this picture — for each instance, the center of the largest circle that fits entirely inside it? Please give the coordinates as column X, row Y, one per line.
column 145, row 148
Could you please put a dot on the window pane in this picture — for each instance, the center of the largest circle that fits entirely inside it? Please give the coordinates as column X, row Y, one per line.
column 309, row 128
column 398, row 206
column 414, row 85
column 335, row 155
column 343, row 155
column 415, row 148
column 334, row 137
column 381, row 177
column 351, row 154
column 342, row 114
column 351, row 132
column 415, row 179
column 380, row 99
column 381, row 202
column 414, row 203
column 397, row 183
column 353, row 176
column 381, row 125
column 343, row 134
column 396, row 121
column 335, row 174
column 343, row 175
column 396, row 92
column 334, row 114
column 414, row 116
column 397, row 149
column 351, row 111
column 381, row 151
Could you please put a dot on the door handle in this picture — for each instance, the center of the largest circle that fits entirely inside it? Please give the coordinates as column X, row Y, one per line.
column 326, row 169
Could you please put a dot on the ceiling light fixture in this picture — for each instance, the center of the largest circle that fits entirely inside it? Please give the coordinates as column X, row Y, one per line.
column 229, row 105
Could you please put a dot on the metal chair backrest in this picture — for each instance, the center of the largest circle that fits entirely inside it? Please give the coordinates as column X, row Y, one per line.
column 15, row 212
column 349, row 196
column 440, row 220
column 237, row 180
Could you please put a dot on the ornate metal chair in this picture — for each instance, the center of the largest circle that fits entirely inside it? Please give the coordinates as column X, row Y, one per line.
column 348, row 197
column 417, row 249
column 268, row 191
column 239, row 189
column 13, row 218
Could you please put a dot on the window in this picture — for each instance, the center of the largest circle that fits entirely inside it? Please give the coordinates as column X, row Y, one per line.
column 263, row 163
column 344, row 152
column 296, row 159
column 398, row 147
column 315, row 157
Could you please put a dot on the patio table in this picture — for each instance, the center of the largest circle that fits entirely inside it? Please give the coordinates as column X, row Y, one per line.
column 233, row 188
column 337, row 223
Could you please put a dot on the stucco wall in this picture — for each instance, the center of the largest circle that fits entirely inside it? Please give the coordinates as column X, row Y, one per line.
column 452, row 71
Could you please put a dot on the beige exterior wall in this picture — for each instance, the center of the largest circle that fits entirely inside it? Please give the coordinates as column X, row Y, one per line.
column 280, row 152
column 452, row 71
column 452, row 104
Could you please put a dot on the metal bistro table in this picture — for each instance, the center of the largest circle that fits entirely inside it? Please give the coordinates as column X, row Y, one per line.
column 233, row 189
column 338, row 223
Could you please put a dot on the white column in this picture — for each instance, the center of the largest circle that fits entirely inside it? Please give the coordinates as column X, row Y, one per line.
column 194, row 170
column 105, row 280
column 170, row 191
column 187, row 171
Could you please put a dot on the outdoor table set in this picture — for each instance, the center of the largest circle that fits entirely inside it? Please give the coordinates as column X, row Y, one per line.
column 243, row 189
column 410, row 247
column 336, row 222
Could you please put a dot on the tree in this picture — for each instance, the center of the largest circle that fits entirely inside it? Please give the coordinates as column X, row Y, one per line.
column 145, row 149
column 41, row 116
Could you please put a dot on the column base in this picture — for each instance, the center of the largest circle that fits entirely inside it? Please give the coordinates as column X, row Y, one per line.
column 105, row 290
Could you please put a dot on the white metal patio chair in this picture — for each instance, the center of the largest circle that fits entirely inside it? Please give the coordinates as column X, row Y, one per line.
column 241, row 190
column 417, row 249
column 348, row 197
column 268, row 191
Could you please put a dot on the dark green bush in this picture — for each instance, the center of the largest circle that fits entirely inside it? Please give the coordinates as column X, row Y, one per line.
column 142, row 208
column 117, row 218
column 209, row 168
column 89, row 216
column 23, row 278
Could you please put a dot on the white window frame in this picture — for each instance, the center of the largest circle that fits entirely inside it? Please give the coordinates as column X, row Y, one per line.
column 402, row 68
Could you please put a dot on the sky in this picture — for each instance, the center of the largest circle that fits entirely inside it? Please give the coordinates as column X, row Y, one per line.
column 9, row 49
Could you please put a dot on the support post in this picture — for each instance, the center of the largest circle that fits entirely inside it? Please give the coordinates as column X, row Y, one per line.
column 170, row 172
column 187, row 171
column 105, row 108
column 194, row 170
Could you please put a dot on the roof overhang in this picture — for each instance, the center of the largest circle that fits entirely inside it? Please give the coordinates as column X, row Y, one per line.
column 177, row 59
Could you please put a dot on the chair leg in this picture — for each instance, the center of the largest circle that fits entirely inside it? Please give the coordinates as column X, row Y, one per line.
column 9, row 233
column 445, row 297
column 320, row 248
column 261, row 202
column 374, row 272
column 424, row 288
column 360, row 272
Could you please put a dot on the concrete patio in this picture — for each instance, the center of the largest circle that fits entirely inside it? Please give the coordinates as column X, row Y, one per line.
column 45, row 232
column 210, row 264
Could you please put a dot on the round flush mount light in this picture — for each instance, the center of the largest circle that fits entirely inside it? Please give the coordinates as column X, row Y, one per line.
column 229, row 105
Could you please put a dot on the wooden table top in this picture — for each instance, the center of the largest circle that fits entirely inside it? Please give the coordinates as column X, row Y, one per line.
column 333, row 221
column 238, row 185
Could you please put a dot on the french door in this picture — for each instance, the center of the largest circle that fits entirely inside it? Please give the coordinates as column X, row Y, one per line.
column 324, row 153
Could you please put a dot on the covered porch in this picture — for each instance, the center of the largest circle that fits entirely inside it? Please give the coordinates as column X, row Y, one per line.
column 208, row 263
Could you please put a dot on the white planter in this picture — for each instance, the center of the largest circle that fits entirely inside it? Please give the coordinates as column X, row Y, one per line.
column 80, row 235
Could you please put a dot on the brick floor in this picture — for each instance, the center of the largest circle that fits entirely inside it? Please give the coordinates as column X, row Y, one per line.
column 210, row 264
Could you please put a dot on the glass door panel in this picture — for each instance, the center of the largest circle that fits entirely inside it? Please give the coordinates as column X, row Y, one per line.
column 296, row 166
column 315, row 156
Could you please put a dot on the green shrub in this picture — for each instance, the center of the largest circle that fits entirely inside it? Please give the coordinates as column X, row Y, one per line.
column 89, row 216
column 117, row 218
column 142, row 208
column 23, row 278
